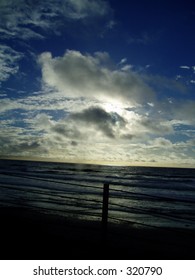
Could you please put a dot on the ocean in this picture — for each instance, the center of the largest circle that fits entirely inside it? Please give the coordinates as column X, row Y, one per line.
column 138, row 196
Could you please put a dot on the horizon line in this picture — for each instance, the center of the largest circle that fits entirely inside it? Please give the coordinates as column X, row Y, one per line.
column 103, row 163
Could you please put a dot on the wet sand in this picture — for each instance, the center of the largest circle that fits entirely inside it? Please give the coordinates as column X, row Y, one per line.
column 28, row 234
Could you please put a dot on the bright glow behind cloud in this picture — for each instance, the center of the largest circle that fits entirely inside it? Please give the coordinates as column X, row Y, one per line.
column 128, row 103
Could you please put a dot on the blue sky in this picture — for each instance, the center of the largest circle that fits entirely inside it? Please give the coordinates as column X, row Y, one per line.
column 98, row 81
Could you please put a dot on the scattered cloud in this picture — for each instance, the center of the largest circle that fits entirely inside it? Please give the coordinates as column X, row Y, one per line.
column 185, row 67
column 28, row 19
column 126, row 67
column 78, row 9
column 123, row 60
column 8, row 62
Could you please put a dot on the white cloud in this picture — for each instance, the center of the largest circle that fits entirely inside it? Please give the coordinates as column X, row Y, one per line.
column 23, row 19
column 78, row 75
column 126, row 67
column 185, row 67
column 123, row 60
column 8, row 62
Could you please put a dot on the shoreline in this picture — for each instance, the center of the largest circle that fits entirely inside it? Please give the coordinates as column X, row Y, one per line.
column 28, row 234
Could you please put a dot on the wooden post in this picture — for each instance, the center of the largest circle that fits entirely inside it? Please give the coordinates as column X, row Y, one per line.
column 105, row 211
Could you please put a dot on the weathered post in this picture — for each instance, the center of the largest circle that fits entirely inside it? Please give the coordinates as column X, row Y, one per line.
column 105, row 211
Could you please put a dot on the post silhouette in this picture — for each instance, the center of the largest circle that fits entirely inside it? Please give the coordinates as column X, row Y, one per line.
column 105, row 211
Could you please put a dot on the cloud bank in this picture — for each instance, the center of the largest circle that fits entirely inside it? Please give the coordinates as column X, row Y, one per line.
column 89, row 107
column 79, row 75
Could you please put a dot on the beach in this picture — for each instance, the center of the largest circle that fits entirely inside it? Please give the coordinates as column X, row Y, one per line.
column 27, row 234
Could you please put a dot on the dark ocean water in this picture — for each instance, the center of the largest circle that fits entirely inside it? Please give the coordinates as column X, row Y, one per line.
column 139, row 196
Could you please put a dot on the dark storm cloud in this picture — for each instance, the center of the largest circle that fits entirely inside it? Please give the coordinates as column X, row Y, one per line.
column 69, row 131
column 74, row 143
column 103, row 121
column 9, row 145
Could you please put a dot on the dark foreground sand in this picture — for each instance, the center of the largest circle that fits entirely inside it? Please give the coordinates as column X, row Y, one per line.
column 27, row 234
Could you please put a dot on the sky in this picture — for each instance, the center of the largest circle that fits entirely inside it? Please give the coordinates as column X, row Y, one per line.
column 99, row 81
